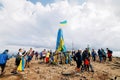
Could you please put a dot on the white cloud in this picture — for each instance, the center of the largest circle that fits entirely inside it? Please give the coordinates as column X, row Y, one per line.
column 26, row 24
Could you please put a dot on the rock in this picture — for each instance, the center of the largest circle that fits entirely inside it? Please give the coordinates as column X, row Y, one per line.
column 77, row 74
column 117, row 78
column 37, row 71
column 62, row 78
column 65, row 68
column 112, row 77
column 66, row 73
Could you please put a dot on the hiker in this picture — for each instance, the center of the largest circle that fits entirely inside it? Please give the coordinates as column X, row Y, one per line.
column 17, row 61
column 44, row 54
column 36, row 55
column 109, row 52
column 40, row 55
column 22, row 62
column 70, row 58
column 93, row 55
column 29, row 56
column 103, row 55
column 32, row 54
column 84, row 55
column 78, row 60
column 3, row 61
column 63, row 58
column 88, row 52
column 51, row 56
column 59, row 58
column 56, row 57
column 100, row 55
column 73, row 52
column 47, row 57
column 66, row 57
column 86, row 60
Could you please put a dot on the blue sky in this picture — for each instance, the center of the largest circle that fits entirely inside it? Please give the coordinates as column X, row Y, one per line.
column 1, row 6
column 44, row 2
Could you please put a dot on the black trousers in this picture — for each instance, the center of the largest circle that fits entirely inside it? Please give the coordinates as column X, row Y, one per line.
column 79, row 63
column 2, row 67
column 94, row 58
column 110, row 58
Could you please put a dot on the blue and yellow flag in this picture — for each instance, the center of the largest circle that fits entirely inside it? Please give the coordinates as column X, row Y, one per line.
column 21, row 65
column 63, row 23
column 60, row 45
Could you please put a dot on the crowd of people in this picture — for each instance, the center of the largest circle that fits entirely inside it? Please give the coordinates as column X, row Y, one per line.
column 81, row 57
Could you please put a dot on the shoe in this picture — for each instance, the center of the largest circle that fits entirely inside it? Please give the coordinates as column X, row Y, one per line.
column 12, row 71
column 15, row 73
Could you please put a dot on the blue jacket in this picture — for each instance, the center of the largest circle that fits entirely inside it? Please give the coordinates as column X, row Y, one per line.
column 3, row 57
column 93, row 54
column 100, row 53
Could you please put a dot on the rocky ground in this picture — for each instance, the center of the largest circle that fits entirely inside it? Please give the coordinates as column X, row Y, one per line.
column 42, row 71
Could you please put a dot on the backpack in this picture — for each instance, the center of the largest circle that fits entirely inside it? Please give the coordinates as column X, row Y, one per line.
column 18, row 58
column 86, row 62
column 110, row 51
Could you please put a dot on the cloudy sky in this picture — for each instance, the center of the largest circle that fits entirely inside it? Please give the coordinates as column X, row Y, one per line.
column 34, row 23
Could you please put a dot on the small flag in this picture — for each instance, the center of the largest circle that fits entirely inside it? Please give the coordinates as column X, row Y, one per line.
column 63, row 23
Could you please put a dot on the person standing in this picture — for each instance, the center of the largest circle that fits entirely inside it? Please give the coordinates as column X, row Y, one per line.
column 78, row 60
column 47, row 57
column 32, row 54
column 73, row 52
column 36, row 55
column 84, row 55
column 109, row 52
column 3, row 61
column 17, row 61
column 93, row 55
column 44, row 55
column 104, row 55
column 100, row 55
column 51, row 56
column 29, row 57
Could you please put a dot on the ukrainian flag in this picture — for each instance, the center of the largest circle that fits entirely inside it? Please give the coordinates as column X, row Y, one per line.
column 63, row 23
column 21, row 65
column 60, row 45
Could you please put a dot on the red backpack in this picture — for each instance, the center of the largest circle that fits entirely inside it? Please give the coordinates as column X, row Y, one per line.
column 86, row 62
